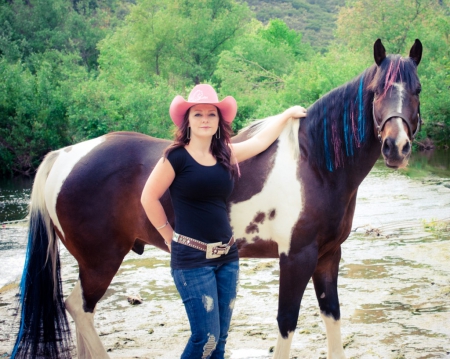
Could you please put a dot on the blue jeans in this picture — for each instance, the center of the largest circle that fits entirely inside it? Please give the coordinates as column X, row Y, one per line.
column 208, row 294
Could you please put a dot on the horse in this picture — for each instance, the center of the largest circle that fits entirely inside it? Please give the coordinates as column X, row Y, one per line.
column 295, row 201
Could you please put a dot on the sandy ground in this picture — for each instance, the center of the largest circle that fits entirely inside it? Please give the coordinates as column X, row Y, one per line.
column 394, row 289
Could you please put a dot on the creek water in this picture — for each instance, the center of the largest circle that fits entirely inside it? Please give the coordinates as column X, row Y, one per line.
column 394, row 278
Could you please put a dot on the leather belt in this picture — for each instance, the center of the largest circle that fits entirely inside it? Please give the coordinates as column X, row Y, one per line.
column 213, row 250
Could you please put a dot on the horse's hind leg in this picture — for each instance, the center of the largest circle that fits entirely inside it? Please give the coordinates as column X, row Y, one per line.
column 81, row 305
column 325, row 285
column 84, row 323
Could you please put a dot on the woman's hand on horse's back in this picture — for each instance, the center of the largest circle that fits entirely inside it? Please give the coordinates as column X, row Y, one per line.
column 295, row 112
column 267, row 135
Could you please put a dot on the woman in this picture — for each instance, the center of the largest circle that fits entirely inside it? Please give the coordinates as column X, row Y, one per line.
column 198, row 169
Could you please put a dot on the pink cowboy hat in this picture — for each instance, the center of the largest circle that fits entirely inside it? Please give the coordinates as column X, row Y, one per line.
column 202, row 94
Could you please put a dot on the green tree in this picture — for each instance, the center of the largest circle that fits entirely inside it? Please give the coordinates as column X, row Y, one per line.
column 33, row 107
column 151, row 26
column 181, row 40
column 35, row 26
column 312, row 79
column 256, row 68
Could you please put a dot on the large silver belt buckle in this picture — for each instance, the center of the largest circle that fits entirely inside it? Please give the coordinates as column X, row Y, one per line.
column 215, row 250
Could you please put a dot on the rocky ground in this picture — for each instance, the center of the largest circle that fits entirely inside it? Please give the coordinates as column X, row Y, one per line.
column 394, row 288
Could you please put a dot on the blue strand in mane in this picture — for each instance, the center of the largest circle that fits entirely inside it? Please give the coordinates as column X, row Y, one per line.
column 325, row 138
column 337, row 123
column 361, row 120
column 347, row 132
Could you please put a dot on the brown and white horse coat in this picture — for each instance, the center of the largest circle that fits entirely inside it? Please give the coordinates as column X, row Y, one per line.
column 295, row 201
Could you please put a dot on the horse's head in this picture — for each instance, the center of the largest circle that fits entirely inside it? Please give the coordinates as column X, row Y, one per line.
column 396, row 114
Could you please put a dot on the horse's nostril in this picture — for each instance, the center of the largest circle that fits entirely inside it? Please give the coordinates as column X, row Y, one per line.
column 387, row 146
column 406, row 148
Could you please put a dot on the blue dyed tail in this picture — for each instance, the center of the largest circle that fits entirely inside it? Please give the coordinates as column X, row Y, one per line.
column 44, row 328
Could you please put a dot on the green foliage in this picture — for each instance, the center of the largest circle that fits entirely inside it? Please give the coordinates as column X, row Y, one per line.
column 315, row 19
column 97, row 107
column 255, row 69
column 32, row 111
column 71, row 70
column 183, row 38
column 36, row 26
column 310, row 80
column 279, row 35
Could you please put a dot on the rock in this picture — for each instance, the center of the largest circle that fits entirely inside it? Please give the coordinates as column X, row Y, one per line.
column 134, row 299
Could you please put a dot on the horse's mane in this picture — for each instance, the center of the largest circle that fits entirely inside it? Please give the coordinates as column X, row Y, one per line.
column 290, row 132
column 341, row 121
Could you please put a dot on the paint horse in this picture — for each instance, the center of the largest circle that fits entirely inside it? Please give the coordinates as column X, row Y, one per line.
column 295, row 202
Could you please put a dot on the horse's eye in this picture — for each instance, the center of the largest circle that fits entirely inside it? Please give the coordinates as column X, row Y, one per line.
column 418, row 91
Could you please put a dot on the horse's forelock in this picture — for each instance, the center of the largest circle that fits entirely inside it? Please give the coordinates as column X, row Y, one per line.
column 393, row 70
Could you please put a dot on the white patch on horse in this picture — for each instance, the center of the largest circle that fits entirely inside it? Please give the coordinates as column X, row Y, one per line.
column 88, row 341
column 401, row 91
column 281, row 192
column 208, row 302
column 61, row 170
column 334, row 340
column 283, row 347
column 402, row 136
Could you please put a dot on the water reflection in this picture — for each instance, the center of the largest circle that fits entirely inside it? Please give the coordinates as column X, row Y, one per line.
column 15, row 193
column 426, row 163
column 14, row 198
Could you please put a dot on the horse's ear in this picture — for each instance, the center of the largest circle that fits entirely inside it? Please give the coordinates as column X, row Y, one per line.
column 379, row 52
column 416, row 52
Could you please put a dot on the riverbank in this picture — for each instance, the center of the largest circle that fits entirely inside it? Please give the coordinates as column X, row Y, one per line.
column 394, row 288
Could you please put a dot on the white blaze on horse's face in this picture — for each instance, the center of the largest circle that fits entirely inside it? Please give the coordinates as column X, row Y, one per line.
column 68, row 157
column 400, row 93
column 280, row 199
column 396, row 144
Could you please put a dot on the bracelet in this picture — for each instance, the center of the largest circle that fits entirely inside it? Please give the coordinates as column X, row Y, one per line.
column 165, row 224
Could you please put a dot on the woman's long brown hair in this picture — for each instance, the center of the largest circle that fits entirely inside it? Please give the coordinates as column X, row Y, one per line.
column 220, row 148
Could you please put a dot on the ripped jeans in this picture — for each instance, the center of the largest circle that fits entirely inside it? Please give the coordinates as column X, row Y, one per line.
column 208, row 294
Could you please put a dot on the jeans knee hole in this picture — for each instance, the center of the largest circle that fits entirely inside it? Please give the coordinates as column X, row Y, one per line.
column 209, row 347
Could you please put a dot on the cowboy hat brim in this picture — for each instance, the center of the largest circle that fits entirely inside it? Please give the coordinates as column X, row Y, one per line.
column 179, row 106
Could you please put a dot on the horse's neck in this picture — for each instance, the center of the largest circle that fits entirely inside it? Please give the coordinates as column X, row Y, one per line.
column 348, row 169
column 363, row 161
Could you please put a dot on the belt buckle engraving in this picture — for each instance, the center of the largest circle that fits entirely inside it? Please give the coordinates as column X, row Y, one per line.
column 213, row 250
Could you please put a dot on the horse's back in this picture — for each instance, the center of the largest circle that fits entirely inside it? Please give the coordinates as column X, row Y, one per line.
column 94, row 191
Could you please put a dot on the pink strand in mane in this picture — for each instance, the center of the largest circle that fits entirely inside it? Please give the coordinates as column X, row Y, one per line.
column 336, row 141
column 391, row 75
column 354, row 127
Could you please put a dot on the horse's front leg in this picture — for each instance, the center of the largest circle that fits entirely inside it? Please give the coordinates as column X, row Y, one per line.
column 325, row 285
column 296, row 269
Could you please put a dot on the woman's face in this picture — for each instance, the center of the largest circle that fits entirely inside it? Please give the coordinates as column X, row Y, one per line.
column 204, row 120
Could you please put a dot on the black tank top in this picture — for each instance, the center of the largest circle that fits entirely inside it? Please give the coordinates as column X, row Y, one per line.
column 199, row 194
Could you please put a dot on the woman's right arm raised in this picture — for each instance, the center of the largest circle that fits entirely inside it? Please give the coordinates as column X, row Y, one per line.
column 157, row 184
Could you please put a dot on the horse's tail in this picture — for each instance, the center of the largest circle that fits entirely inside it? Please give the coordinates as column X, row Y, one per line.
column 44, row 328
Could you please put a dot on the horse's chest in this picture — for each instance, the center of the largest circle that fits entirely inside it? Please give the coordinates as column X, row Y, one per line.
column 272, row 213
